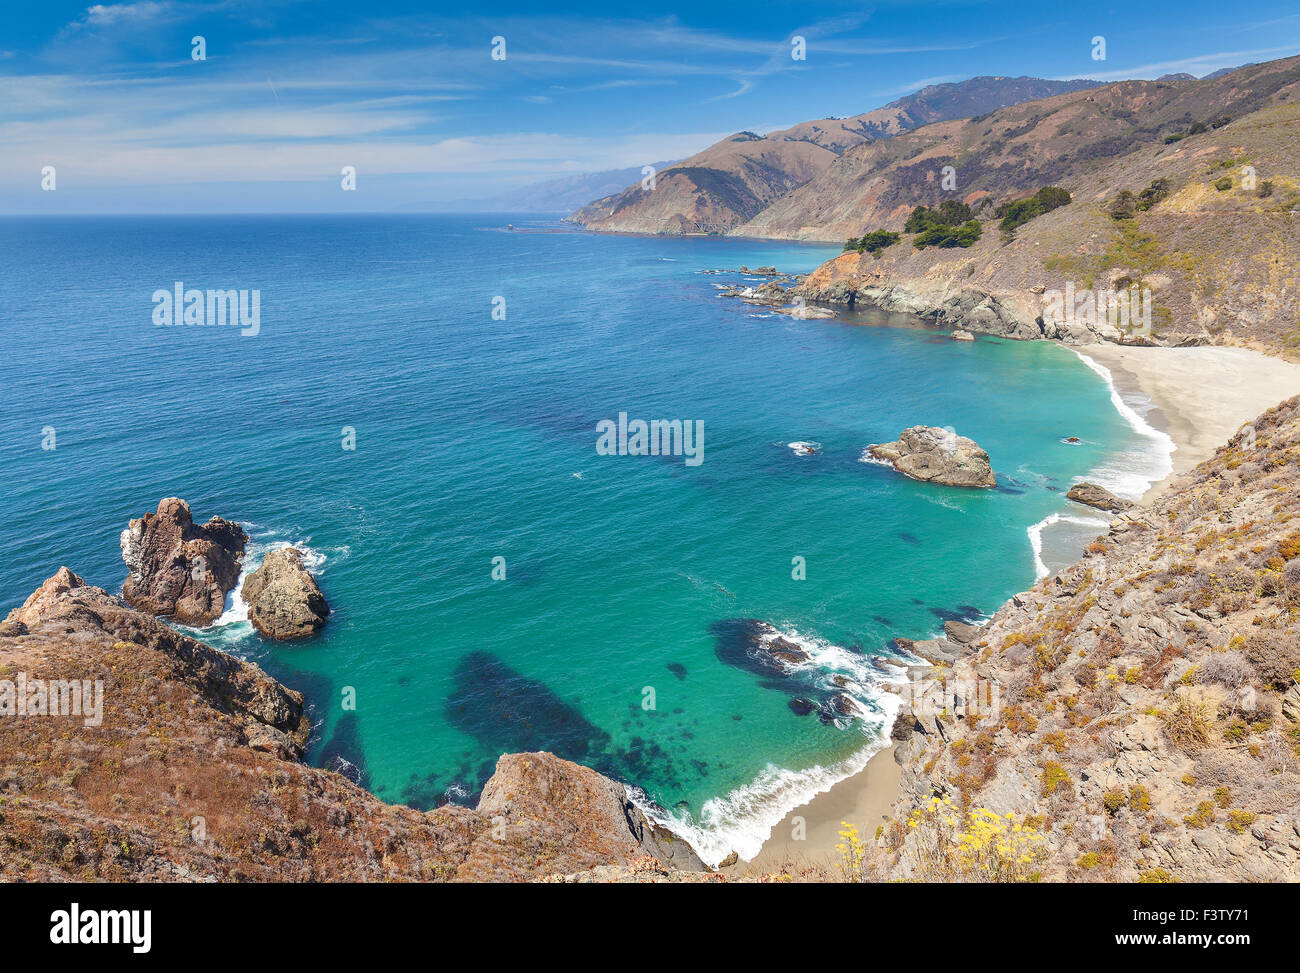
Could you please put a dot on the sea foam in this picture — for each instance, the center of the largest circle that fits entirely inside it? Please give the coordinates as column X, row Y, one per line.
column 742, row 819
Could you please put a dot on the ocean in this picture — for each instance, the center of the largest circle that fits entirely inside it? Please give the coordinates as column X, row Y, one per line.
column 498, row 583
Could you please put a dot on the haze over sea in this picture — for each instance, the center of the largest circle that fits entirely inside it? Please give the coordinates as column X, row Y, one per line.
column 628, row 579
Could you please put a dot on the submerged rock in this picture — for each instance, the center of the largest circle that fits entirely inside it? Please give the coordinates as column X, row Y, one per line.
column 284, row 601
column 937, row 455
column 1097, row 496
column 178, row 568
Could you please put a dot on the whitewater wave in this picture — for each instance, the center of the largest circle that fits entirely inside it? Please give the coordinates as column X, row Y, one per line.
column 801, row 448
column 233, row 624
column 1132, row 472
column 743, row 819
column 1035, row 532
column 866, row 457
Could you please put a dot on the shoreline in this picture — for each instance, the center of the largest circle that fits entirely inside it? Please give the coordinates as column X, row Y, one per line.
column 863, row 799
column 1200, row 398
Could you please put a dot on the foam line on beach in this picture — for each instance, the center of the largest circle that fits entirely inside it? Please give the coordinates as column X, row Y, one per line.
column 742, row 820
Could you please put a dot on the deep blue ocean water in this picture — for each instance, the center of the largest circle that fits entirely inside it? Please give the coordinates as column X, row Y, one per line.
column 629, row 580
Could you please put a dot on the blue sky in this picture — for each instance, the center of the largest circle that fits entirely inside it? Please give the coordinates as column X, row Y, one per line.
column 408, row 93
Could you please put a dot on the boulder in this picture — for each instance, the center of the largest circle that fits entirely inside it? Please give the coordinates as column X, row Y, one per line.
column 1093, row 495
column 961, row 632
column 960, row 335
column 284, row 601
column 937, row 455
column 178, row 568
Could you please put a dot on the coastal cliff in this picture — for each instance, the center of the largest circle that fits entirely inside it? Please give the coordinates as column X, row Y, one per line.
column 1145, row 723
column 191, row 771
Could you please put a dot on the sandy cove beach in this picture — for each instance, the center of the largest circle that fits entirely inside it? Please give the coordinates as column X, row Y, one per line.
column 863, row 800
column 1202, row 397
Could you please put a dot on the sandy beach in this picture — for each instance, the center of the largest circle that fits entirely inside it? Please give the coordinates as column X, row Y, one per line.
column 863, row 800
column 1203, row 396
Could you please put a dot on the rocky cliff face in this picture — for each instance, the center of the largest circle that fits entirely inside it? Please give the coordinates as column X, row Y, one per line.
column 192, row 773
column 1147, row 717
column 178, row 568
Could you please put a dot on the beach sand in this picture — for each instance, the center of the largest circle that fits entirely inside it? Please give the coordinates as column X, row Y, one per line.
column 1202, row 398
column 863, row 800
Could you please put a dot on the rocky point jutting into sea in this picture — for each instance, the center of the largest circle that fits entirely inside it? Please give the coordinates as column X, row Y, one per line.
column 195, row 774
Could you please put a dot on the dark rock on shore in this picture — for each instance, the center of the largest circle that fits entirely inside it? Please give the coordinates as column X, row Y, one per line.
column 178, row 568
column 284, row 601
column 937, row 455
column 1093, row 495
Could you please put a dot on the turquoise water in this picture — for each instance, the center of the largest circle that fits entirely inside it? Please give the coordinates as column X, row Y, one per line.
column 630, row 581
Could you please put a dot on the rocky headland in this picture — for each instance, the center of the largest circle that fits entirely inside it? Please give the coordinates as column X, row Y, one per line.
column 194, row 773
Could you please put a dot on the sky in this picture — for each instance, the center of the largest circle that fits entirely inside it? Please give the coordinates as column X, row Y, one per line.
column 410, row 95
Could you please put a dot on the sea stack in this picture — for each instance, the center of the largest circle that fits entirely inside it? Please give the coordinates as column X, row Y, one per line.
column 178, row 568
column 284, row 601
column 937, row 455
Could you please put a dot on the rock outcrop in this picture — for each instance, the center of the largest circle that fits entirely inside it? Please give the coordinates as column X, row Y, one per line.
column 1092, row 495
column 937, row 455
column 284, row 601
column 192, row 774
column 1145, row 717
column 178, row 568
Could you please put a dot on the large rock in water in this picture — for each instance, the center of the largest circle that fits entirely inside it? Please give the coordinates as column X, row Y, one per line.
column 1097, row 496
column 284, row 601
column 179, row 568
column 937, row 455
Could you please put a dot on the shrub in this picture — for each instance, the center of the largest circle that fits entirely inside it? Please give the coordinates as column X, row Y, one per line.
column 1239, row 821
column 1155, row 876
column 1223, row 184
column 965, row 235
column 1229, row 669
column 1276, row 657
column 1113, row 800
column 1089, row 861
column 951, row 224
column 1123, row 205
column 1223, row 796
column 1139, row 798
column 1054, row 776
column 1153, row 194
column 876, row 241
column 1020, row 212
column 1189, row 720
column 1202, row 817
